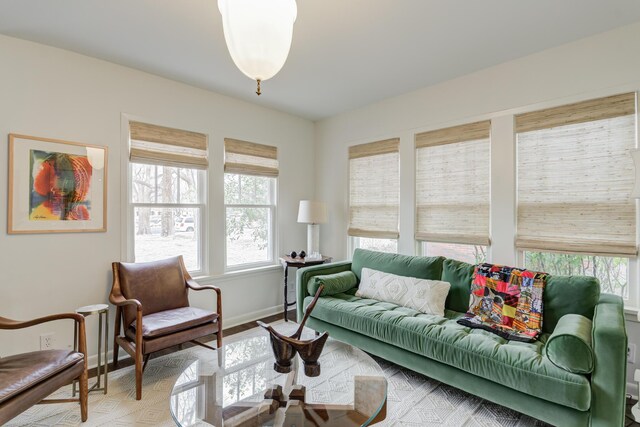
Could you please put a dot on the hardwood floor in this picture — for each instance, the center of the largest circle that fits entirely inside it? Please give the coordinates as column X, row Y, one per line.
column 629, row 422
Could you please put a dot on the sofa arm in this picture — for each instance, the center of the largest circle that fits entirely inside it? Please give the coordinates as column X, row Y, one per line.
column 608, row 382
column 304, row 274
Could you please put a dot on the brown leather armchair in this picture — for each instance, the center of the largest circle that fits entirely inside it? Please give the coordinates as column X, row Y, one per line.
column 26, row 379
column 152, row 303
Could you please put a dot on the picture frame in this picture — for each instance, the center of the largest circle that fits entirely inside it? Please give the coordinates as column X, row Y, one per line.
column 56, row 186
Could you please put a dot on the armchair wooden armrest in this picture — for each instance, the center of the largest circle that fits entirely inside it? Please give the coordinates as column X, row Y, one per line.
column 121, row 301
column 192, row 284
column 78, row 318
column 17, row 324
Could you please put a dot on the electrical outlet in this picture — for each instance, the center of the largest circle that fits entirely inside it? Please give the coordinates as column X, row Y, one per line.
column 631, row 353
column 46, row 341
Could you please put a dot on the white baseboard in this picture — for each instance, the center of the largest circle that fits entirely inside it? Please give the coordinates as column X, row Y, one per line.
column 228, row 323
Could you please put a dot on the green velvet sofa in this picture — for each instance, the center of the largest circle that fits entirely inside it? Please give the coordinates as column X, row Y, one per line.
column 513, row 374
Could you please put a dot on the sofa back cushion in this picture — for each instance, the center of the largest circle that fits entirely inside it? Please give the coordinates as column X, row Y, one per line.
column 460, row 275
column 402, row 265
column 569, row 295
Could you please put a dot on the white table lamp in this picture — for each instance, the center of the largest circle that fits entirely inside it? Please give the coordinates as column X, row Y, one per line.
column 312, row 213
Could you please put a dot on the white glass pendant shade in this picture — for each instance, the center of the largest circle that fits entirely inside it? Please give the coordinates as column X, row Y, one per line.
column 258, row 34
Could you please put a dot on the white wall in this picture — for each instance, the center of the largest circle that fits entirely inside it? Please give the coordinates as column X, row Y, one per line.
column 597, row 66
column 54, row 93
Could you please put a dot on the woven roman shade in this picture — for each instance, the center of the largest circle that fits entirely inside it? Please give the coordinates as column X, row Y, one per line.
column 374, row 189
column 165, row 146
column 575, row 177
column 249, row 158
column 452, row 184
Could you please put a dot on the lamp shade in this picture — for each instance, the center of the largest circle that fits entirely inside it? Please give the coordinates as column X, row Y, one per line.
column 258, row 34
column 635, row 194
column 312, row 212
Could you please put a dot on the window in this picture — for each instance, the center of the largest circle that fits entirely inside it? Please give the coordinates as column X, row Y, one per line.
column 167, row 187
column 250, row 180
column 612, row 272
column 472, row 254
column 575, row 177
column 380, row 245
column 374, row 194
column 452, row 191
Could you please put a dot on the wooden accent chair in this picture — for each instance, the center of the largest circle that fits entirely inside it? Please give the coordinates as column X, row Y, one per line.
column 26, row 379
column 152, row 303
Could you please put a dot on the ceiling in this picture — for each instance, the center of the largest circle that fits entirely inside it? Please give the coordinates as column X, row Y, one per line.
column 345, row 53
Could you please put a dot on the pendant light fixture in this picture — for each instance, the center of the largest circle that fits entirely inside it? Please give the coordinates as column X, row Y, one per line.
column 258, row 35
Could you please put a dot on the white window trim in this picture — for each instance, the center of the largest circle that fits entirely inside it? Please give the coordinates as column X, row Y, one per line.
column 127, row 247
column 272, row 238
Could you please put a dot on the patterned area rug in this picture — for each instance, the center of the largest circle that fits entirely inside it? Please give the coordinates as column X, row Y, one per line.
column 413, row 399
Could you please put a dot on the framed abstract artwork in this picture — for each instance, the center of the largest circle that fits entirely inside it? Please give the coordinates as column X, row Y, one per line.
column 56, row 186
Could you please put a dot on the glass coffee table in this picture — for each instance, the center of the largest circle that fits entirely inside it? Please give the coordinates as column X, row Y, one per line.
column 236, row 386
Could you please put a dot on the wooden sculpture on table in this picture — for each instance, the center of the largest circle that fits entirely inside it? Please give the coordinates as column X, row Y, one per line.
column 285, row 348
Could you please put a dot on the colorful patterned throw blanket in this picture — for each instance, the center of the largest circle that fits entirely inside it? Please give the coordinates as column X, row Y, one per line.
column 506, row 301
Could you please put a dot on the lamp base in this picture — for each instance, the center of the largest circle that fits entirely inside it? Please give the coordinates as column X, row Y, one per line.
column 313, row 241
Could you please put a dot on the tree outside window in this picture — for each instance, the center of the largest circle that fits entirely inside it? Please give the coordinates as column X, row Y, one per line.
column 612, row 272
column 250, row 213
column 472, row 254
column 167, row 213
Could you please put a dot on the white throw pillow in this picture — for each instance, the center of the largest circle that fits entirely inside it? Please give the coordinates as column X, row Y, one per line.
column 426, row 296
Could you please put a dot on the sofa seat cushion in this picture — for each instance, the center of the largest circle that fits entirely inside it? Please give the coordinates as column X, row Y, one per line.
column 23, row 371
column 171, row 321
column 517, row 365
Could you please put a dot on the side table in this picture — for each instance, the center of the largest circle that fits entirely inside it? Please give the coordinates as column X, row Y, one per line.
column 102, row 310
column 298, row 262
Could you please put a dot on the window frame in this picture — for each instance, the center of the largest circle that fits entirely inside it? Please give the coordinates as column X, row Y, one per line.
column 202, row 205
column 272, row 240
column 631, row 304
column 633, row 273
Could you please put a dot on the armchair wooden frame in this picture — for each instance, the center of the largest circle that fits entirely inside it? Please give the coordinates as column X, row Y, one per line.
column 135, row 348
column 9, row 324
